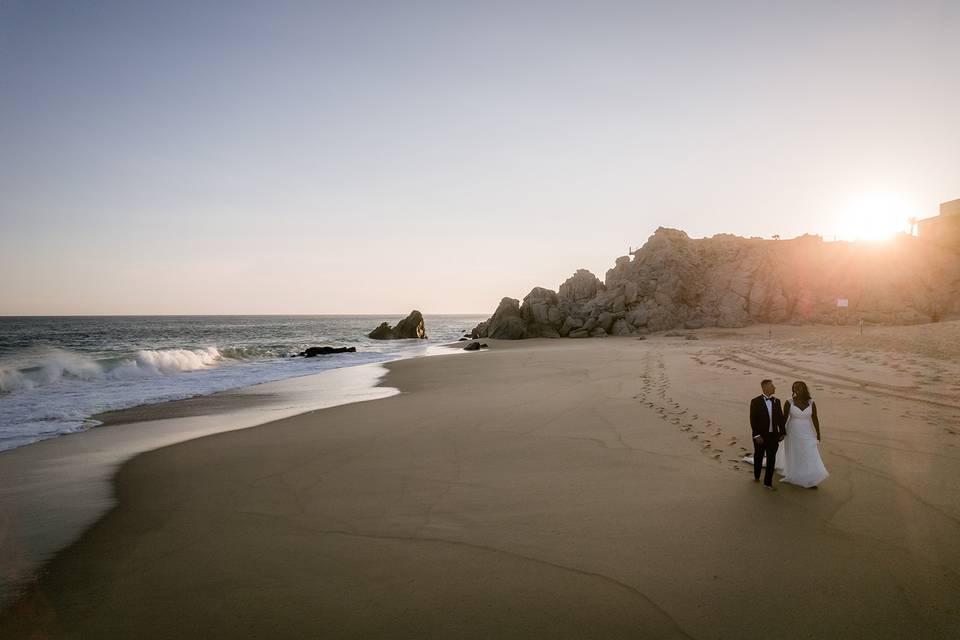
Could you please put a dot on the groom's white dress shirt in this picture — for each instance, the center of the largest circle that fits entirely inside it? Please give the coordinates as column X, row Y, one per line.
column 768, row 400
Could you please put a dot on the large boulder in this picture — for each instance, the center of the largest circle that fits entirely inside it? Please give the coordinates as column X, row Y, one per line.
column 580, row 287
column 383, row 332
column 479, row 331
column 507, row 323
column 570, row 324
column 620, row 328
column 541, row 313
column 605, row 320
column 410, row 327
column 637, row 316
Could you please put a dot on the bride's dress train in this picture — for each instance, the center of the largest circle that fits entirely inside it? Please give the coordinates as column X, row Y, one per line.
column 799, row 458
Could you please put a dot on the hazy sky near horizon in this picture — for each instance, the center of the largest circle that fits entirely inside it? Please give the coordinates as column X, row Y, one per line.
column 368, row 157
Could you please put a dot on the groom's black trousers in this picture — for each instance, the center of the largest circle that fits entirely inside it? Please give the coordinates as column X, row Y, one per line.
column 768, row 448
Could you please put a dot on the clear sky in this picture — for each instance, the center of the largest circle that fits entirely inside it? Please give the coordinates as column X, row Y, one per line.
column 371, row 157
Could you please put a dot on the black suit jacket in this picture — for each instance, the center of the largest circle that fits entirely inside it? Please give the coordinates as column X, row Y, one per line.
column 760, row 419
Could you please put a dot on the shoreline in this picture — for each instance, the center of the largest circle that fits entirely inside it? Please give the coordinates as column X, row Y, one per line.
column 70, row 477
column 571, row 475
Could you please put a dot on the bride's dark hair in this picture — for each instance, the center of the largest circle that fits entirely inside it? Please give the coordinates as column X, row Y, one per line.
column 800, row 392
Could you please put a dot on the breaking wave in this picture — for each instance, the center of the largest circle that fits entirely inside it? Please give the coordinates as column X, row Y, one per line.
column 56, row 365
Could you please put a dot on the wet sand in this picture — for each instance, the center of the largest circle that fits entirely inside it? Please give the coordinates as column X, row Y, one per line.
column 53, row 490
column 567, row 488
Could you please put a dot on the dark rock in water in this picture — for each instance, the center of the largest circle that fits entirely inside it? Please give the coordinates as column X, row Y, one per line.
column 473, row 346
column 462, row 339
column 410, row 327
column 483, row 345
column 383, row 332
column 312, row 352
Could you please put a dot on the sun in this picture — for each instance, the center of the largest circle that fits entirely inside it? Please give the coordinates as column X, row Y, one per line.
column 875, row 217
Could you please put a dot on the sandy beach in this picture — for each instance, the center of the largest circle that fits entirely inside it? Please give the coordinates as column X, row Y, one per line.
column 548, row 488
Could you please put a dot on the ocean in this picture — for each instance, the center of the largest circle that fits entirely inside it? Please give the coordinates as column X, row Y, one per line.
column 57, row 372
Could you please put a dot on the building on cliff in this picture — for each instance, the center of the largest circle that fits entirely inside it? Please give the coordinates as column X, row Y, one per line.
column 943, row 229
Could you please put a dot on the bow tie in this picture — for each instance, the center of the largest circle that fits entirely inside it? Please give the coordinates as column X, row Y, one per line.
column 768, row 398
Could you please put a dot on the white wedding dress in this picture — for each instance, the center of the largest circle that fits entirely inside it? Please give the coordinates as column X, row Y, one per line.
column 798, row 453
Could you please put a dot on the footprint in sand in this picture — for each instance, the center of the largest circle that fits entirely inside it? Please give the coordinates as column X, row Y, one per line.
column 694, row 437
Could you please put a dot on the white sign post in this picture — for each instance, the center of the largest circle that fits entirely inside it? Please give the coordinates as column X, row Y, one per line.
column 842, row 303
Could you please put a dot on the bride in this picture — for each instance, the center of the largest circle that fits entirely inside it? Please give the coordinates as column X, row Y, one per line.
column 802, row 465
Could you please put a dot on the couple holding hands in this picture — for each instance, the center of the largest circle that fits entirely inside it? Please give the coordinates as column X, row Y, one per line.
column 787, row 435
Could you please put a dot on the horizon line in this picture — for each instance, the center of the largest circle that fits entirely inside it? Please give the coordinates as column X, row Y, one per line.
column 223, row 315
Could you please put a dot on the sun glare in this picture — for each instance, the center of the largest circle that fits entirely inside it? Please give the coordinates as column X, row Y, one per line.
column 875, row 217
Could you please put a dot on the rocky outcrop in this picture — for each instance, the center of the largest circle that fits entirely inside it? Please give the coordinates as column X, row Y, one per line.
column 580, row 287
column 675, row 282
column 312, row 352
column 506, row 323
column 541, row 313
column 410, row 327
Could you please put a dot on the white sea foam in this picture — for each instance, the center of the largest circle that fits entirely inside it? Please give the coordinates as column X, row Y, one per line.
column 59, row 364
column 177, row 360
column 57, row 395
column 55, row 365
column 11, row 378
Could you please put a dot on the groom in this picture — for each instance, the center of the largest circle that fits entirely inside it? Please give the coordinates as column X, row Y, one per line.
column 766, row 422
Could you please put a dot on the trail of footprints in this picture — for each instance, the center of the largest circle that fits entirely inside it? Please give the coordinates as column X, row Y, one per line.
column 705, row 433
column 719, row 361
column 950, row 424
